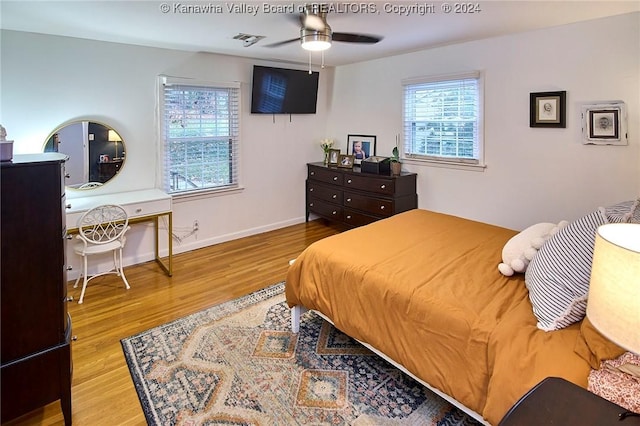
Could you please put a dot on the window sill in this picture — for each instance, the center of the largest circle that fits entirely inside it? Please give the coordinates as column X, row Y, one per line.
column 199, row 195
column 446, row 165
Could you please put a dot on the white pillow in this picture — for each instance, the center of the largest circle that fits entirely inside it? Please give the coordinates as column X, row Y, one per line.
column 558, row 276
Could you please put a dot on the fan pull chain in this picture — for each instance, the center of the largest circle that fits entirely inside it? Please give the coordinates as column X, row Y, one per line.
column 322, row 62
column 310, row 62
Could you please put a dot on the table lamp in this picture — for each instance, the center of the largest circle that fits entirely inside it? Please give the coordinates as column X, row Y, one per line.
column 613, row 306
column 115, row 138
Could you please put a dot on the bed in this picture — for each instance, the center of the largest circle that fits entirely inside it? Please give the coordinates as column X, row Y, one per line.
column 423, row 290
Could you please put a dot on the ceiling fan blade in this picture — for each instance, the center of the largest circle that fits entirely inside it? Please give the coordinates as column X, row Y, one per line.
column 314, row 17
column 310, row 22
column 314, row 22
column 282, row 43
column 356, row 38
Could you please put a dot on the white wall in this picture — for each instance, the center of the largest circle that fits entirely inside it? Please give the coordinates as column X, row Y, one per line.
column 48, row 80
column 533, row 174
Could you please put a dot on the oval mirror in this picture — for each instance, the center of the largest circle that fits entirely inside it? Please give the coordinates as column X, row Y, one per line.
column 96, row 152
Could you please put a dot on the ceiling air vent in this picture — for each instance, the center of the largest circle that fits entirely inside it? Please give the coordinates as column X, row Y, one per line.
column 248, row 39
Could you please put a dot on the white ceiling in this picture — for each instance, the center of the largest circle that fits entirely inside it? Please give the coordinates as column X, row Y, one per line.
column 145, row 23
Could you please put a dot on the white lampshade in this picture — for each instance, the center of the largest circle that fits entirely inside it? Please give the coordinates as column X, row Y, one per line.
column 614, row 291
column 114, row 137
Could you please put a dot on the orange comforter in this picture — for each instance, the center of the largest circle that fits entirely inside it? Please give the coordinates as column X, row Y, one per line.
column 424, row 289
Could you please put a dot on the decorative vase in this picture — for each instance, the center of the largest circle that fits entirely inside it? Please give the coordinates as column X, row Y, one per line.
column 326, row 158
column 396, row 168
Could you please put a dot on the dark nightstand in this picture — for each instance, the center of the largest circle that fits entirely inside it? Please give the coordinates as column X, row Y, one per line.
column 556, row 401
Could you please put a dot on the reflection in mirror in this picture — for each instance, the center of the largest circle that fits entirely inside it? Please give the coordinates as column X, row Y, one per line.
column 96, row 152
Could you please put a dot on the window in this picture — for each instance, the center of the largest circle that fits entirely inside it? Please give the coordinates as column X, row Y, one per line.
column 442, row 119
column 199, row 128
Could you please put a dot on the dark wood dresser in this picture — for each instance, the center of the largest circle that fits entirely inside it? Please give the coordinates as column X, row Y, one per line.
column 355, row 198
column 35, row 360
column 108, row 169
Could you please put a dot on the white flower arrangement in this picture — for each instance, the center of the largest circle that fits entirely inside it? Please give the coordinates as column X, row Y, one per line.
column 326, row 144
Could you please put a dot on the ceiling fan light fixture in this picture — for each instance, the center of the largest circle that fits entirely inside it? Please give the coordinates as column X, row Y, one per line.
column 315, row 41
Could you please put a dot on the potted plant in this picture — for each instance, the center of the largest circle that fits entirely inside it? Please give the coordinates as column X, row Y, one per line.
column 396, row 165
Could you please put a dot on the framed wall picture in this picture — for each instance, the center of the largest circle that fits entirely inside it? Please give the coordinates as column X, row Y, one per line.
column 361, row 147
column 334, row 155
column 604, row 123
column 548, row 109
column 346, row 160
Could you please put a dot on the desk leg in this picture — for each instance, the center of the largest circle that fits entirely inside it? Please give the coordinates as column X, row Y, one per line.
column 168, row 267
column 170, row 241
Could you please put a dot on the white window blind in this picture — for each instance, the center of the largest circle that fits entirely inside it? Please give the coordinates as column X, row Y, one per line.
column 200, row 132
column 442, row 119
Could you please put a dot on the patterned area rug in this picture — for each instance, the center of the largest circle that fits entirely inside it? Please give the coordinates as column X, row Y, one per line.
column 238, row 364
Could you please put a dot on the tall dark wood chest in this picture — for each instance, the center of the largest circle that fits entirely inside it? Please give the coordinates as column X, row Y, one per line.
column 35, row 360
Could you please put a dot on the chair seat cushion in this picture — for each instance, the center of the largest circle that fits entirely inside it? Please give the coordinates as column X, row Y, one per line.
column 80, row 248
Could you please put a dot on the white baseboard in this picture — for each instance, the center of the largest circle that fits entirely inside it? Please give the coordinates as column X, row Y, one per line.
column 137, row 258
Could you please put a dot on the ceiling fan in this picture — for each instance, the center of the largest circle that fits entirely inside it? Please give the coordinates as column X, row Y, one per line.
column 316, row 34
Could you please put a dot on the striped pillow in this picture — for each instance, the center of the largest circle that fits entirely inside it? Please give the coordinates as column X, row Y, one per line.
column 627, row 211
column 558, row 276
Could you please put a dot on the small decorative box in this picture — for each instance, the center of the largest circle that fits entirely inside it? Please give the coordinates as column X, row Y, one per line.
column 376, row 165
column 6, row 150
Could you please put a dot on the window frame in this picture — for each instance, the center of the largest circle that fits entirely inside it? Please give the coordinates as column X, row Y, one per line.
column 446, row 161
column 164, row 162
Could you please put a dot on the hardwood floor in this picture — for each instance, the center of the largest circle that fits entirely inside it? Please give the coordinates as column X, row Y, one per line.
column 102, row 390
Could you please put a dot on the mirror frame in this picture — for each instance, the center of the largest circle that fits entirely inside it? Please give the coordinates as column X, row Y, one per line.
column 101, row 164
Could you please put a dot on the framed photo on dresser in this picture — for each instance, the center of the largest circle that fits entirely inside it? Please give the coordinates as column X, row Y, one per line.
column 361, row 147
column 346, row 161
column 334, row 155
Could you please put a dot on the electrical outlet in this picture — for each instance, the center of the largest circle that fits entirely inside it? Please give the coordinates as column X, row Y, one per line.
column 196, row 225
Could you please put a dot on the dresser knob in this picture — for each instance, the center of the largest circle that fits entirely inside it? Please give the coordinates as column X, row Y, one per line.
column 310, row 189
column 383, row 186
column 74, row 338
column 381, row 207
column 334, row 196
column 334, row 212
column 312, row 173
column 348, row 200
column 310, row 204
column 67, row 175
column 348, row 216
column 67, row 206
column 335, row 178
column 349, row 181
column 69, row 268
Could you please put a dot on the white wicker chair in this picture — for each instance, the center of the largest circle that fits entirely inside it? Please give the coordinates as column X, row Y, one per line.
column 101, row 230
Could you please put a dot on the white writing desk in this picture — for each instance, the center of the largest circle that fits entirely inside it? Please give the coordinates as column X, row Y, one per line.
column 141, row 206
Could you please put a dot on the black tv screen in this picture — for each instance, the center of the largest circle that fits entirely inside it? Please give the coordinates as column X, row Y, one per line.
column 283, row 91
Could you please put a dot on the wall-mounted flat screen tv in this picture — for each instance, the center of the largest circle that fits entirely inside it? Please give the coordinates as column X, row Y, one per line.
column 283, row 91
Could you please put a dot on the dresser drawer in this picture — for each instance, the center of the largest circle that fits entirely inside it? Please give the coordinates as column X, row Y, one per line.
column 366, row 183
column 354, row 218
column 322, row 208
column 325, row 175
column 368, row 204
column 332, row 194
